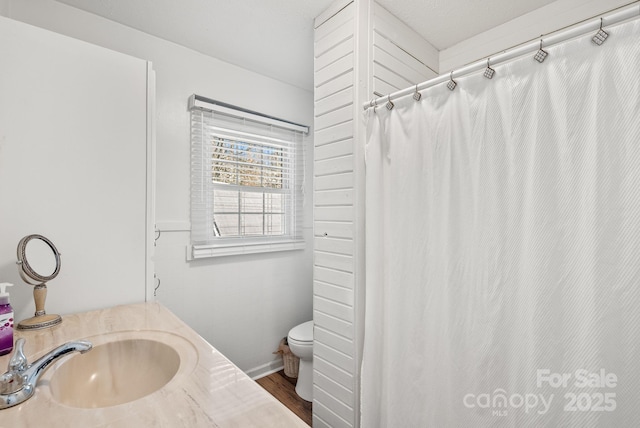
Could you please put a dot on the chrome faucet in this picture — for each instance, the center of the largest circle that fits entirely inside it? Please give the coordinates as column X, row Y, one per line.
column 19, row 382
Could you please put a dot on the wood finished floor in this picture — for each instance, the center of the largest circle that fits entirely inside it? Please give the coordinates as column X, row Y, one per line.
column 283, row 388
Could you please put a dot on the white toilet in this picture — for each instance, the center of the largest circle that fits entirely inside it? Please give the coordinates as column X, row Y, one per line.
column 301, row 344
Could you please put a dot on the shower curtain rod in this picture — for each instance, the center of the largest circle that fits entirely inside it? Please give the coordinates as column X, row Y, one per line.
column 614, row 18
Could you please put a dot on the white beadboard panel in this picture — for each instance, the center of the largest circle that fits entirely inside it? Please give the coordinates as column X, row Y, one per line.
column 331, row 87
column 404, row 37
column 333, row 150
column 333, row 213
column 392, row 49
column 400, row 58
column 334, row 309
column 330, row 291
column 382, row 87
column 334, row 181
column 334, row 101
column 334, row 261
column 334, row 389
column 342, row 377
column 337, row 246
column 401, row 66
column 335, row 117
column 337, row 406
column 333, row 300
column 332, row 276
column 328, row 25
column 334, row 69
column 340, row 50
column 336, row 358
column 319, row 423
column 333, row 197
column 391, row 77
column 336, row 325
column 328, row 417
column 333, row 134
column 334, row 229
column 333, row 166
column 334, row 341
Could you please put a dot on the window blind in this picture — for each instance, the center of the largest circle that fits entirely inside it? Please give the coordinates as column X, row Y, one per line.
column 246, row 182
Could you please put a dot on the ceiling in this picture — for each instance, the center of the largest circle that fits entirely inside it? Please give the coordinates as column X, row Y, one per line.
column 275, row 37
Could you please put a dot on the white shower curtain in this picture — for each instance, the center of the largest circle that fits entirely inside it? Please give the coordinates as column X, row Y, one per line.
column 503, row 246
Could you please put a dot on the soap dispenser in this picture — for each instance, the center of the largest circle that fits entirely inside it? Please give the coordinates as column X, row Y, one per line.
column 6, row 320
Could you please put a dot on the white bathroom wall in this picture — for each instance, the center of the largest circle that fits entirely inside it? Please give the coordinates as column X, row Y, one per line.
column 243, row 305
column 547, row 19
column 73, row 167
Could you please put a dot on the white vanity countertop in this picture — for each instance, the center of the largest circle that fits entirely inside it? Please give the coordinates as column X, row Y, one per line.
column 214, row 393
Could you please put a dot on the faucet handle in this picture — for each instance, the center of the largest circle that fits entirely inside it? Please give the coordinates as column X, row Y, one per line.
column 18, row 361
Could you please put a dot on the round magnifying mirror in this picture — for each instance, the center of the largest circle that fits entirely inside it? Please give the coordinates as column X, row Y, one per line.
column 38, row 262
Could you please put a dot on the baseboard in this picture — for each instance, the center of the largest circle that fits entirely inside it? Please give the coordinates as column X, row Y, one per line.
column 265, row 369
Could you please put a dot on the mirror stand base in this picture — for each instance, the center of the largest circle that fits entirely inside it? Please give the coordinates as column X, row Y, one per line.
column 40, row 321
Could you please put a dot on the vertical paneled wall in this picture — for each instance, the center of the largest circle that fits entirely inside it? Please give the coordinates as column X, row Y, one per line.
column 334, row 186
column 359, row 48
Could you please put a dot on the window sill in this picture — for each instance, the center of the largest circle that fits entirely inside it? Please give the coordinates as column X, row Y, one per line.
column 195, row 252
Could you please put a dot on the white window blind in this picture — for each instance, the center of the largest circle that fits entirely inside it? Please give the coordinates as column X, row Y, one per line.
column 246, row 181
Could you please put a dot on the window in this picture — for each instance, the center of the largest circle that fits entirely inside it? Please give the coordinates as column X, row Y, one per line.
column 246, row 181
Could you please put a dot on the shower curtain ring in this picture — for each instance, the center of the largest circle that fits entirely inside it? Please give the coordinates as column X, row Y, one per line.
column 600, row 36
column 489, row 72
column 417, row 95
column 452, row 83
column 541, row 54
column 389, row 104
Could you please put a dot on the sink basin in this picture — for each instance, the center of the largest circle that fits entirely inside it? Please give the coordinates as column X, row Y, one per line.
column 125, row 368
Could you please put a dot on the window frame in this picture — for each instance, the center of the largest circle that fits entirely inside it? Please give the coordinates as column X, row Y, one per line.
column 262, row 128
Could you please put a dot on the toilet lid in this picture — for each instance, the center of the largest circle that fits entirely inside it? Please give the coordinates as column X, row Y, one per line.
column 302, row 332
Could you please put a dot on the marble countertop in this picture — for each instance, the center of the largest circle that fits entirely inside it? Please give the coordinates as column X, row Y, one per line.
column 210, row 391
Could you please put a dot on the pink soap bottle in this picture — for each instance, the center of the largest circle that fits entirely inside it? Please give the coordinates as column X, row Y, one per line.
column 6, row 320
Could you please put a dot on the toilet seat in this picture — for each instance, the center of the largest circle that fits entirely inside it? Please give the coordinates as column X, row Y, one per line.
column 302, row 333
